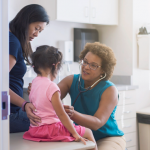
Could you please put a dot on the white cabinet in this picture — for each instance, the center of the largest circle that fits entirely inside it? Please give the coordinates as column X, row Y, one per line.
column 132, row 148
column 67, row 10
column 144, row 51
column 126, row 116
column 83, row 11
column 127, row 125
column 130, row 139
column 104, row 12
column 126, row 112
column 73, row 10
column 126, row 97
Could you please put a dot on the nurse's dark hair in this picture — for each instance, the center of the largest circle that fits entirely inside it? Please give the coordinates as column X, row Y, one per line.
column 46, row 57
column 20, row 24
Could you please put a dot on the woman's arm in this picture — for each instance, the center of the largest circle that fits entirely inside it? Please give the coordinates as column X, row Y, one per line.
column 12, row 62
column 13, row 96
column 109, row 100
column 15, row 99
column 65, row 85
column 18, row 101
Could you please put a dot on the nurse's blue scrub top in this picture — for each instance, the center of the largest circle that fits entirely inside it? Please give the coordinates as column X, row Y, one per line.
column 88, row 103
column 19, row 69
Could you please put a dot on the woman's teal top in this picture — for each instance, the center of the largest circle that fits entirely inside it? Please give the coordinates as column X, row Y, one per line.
column 88, row 103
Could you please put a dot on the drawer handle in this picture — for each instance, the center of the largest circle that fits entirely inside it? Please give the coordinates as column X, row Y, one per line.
column 127, row 97
column 86, row 11
column 129, row 140
column 127, row 126
column 127, row 112
column 94, row 12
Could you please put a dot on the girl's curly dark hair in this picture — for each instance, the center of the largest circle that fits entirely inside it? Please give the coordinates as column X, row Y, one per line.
column 46, row 57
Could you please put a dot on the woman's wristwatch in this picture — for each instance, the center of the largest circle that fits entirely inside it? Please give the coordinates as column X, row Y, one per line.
column 23, row 105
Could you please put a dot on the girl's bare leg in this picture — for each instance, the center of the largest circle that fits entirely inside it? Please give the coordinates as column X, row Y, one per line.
column 89, row 135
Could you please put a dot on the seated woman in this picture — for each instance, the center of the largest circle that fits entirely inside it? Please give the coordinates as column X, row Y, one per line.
column 94, row 97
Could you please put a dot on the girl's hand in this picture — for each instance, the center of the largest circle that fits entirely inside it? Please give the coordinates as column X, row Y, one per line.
column 78, row 138
column 29, row 108
column 69, row 110
column 29, row 88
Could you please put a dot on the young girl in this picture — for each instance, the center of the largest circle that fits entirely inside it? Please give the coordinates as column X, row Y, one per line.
column 45, row 96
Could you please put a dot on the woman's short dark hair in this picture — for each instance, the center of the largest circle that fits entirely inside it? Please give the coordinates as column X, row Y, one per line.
column 20, row 24
column 46, row 57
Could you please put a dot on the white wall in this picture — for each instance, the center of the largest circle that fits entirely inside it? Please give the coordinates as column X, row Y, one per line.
column 141, row 16
column 54, row 32
column 119, row 38
column 59, row 31
column 122, row 39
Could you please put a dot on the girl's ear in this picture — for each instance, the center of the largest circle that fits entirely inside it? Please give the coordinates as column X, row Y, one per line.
column 57, row 65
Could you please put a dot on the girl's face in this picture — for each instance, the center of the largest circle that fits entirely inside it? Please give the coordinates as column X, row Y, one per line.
column 34, row 29
column 87, row 73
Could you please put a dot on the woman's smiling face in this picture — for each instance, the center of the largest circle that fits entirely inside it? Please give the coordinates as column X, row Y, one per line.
column 34, row 29
column 87, row 73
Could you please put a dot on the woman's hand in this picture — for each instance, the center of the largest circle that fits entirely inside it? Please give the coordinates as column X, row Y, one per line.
column 29, row 108
column 69, row 110
column 78, row 138
column 29, row 88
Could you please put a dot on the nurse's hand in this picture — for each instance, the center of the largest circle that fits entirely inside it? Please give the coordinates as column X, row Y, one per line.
column 29, row 88
column 29, row 108
column 69, row 110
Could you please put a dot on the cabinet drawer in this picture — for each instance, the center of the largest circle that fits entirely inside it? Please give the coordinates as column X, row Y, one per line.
column 127, row 97
column 130, row 139
column 121, row 97
column 132, row 148
column 128, row 125
column 125, row 112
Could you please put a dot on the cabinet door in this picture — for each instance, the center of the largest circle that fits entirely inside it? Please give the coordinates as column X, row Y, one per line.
column 125, row 112
column 104, row 12
column 130, row 139
column 73, row 10
column 127, row 97
column 127, row 125
column 132, row 148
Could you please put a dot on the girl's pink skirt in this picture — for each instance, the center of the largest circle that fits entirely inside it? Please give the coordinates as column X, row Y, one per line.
column 52, row 132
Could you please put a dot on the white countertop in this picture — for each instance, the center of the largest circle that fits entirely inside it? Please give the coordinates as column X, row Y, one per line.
column 122, row 87
column 145, row 111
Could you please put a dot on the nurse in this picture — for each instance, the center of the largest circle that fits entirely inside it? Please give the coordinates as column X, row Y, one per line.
column 95, row 108
column 28, row 23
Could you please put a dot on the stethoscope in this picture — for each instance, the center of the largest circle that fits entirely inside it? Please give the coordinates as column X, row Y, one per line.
column 79, row 85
